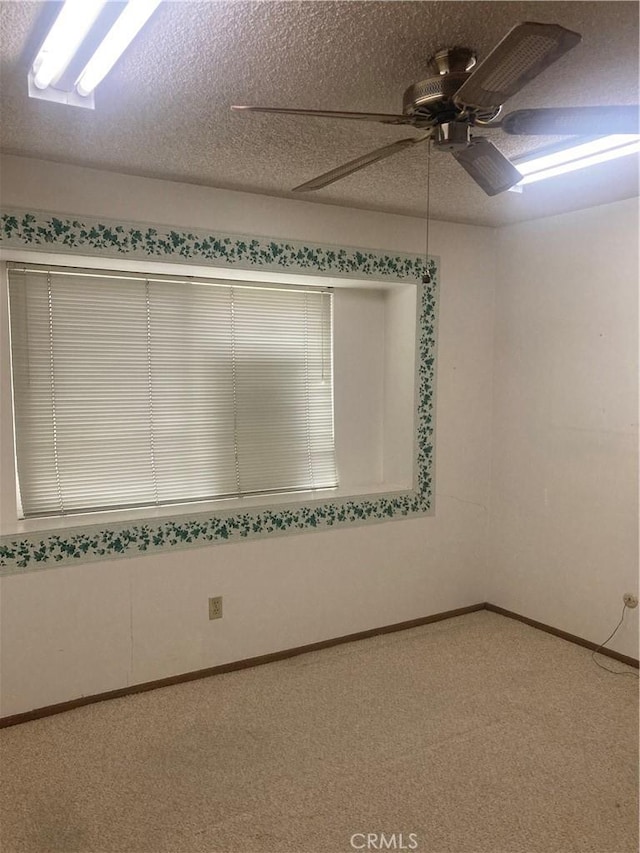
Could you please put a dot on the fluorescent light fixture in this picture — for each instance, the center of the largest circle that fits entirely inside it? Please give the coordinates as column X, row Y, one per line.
column 577, row 157
column 65, row 39
column 126, row 27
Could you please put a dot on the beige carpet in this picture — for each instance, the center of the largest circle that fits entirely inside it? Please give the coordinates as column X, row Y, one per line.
column 474, row 734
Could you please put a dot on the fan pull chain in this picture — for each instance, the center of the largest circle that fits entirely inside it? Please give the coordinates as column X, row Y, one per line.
column 426, row 277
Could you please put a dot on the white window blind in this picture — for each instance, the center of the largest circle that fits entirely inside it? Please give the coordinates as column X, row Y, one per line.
column 134, row 391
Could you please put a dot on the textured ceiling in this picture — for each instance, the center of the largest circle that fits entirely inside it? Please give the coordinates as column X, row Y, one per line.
column 164, row 109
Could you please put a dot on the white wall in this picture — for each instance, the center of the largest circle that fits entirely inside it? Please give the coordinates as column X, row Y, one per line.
column 563, row 534
column 79, row 630
column 564, row 504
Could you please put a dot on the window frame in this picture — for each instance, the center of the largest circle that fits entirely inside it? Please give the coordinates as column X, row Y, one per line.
column 135, row 533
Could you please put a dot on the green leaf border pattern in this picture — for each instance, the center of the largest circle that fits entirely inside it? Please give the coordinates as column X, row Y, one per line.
column 40, row 231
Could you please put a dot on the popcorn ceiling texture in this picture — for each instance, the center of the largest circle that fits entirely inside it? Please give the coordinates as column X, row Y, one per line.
column 164, row 109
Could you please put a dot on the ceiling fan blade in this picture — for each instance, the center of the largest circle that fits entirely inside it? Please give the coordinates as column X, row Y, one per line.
column 359, row 163
column 522, row 54
column 488, row 167
column 384, row 118
column 577, row 121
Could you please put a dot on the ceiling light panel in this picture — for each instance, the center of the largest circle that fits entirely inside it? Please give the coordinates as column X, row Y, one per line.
column 65, row 40
column 127, row 26
column 576, row 157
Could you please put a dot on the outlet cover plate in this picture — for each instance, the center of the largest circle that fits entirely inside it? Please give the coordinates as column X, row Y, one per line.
column 215, row 607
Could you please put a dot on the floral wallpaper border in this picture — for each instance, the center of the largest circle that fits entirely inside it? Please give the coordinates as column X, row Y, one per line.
column 41, row 231
column 48, row 232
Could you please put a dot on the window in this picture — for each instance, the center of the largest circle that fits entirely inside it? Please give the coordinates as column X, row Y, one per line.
column 136, row 390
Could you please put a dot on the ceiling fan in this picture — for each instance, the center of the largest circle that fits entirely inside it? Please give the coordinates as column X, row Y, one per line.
column 456, row 99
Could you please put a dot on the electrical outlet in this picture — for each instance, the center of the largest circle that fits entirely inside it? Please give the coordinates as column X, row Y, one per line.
column 630, row 600
column 215, row 607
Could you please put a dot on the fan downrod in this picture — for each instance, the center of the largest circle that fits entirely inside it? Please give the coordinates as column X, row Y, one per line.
column 452, row 59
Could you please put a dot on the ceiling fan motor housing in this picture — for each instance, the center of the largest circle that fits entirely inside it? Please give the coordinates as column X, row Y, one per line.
column 432, row 99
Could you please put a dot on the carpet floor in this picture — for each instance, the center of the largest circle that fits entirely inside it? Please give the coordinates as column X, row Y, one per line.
column 477, row 734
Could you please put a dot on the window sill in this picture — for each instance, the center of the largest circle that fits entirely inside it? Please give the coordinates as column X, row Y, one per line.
column 200, row 508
